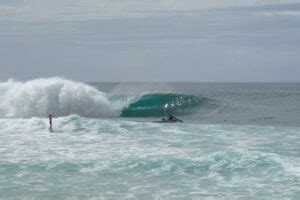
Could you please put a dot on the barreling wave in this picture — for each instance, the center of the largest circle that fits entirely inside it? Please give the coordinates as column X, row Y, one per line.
column 157, row 104
column 37, row 98
column 62, row 97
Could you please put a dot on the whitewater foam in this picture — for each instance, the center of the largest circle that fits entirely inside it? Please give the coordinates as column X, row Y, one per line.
column 62, row 97
column 116, row 158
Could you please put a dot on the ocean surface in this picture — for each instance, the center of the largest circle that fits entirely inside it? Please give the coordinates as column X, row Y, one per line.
column 238, row 140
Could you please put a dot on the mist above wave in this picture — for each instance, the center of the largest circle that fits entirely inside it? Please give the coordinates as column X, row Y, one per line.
column 38, row 97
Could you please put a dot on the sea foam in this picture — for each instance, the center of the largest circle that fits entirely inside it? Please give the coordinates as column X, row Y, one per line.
column 61, row 97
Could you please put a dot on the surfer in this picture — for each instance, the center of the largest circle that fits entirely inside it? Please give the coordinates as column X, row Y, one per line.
column 50, row 122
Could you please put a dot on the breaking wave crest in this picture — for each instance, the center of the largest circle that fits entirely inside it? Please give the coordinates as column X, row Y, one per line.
column 37, row 98
column 62, row 97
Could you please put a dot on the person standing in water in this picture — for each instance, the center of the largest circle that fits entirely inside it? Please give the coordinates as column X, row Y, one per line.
column 50, row 122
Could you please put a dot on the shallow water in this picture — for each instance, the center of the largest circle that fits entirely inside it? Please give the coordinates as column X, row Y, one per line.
column 90, row 158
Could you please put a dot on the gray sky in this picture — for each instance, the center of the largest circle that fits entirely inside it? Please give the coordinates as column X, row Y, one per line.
column 157, row 40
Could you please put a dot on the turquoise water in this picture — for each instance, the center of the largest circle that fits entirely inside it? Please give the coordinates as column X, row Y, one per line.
column 159, row 104
column 112, row 157
column 93, row 158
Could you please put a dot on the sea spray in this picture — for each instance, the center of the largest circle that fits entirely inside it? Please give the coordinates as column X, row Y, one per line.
column 62, row 97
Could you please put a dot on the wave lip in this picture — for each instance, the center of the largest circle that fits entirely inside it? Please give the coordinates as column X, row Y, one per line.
column 61, row 97
column 153, row 105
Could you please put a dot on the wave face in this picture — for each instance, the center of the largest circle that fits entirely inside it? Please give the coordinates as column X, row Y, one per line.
column 37, row 98
column 153, row 105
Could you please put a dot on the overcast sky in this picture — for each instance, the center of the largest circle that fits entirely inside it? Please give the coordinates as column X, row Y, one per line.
column 151, row 40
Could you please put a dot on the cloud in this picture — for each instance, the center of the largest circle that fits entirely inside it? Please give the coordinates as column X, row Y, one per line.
column 80, row 10
column 283, row 13
column 202, row 40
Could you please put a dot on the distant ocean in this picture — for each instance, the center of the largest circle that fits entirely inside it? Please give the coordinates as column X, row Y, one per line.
column 238, row 140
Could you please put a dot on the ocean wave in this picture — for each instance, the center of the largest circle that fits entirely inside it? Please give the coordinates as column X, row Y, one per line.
column 158, row 104
column 61, row 97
